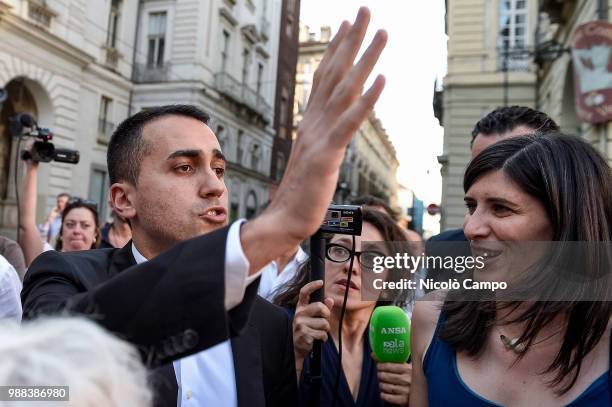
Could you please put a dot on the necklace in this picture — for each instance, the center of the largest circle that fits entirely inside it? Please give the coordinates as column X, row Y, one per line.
column 514, row 345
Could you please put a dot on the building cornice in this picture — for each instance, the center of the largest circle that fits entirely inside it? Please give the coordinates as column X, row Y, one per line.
column 46, row 39
column 110, row 76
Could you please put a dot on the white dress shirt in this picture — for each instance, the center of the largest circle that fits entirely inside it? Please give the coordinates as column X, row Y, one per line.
column 271, row 279
column 207, row 378
column 10, row 290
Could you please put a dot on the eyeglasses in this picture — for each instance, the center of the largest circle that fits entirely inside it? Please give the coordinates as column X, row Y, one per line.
column 340, row 254
column 83, row 202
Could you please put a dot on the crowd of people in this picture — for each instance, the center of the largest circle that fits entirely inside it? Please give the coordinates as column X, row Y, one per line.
column 169, row 304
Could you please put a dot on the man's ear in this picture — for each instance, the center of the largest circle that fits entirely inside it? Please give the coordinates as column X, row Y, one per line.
column 122, row 199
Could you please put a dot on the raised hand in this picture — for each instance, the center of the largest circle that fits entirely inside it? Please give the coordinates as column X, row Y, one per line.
column 336, row 108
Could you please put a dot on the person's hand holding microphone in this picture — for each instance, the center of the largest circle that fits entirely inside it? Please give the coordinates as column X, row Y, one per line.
column 390, row 341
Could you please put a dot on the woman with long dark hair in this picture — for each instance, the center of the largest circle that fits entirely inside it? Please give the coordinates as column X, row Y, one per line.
column 549, row 188
column 361, row 381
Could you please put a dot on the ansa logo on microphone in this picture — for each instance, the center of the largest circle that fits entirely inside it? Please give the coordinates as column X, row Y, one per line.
column 394, row 346
column 399, row 330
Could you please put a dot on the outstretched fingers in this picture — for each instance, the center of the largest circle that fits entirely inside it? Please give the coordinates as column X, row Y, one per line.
column 362, row 70
column 351, row 118
column 337, row 63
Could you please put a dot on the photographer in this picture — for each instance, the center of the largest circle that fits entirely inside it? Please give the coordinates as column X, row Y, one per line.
column 78, row 227
column 364, row 381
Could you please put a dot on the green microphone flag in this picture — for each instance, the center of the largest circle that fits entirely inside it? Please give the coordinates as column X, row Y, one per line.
column 390, row 334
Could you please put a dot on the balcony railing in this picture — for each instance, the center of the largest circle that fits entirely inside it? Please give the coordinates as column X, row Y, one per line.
column 111, row 57
column 229, row 86
column 40, row 13
column 105, row 130
column 144, row 73
column 243, row 94
column 514, row 59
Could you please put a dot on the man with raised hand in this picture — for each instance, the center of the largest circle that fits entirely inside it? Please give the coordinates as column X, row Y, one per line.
column 176, row 289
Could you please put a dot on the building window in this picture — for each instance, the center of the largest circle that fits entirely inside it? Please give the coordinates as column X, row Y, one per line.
column 513, row 35
column 246, row 60
column 40, row 13
column 98, row 191
column 105, row 119
column 220, row 133
column 283, row 111
column 156, row 39
column 255, row 155
column 225, row 50
column 113, row 24
column 260, row 69
column 239, row 149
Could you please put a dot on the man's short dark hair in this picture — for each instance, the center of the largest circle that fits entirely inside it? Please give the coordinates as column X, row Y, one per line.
column 126, row 148
column 62, row 195
column 504, row 119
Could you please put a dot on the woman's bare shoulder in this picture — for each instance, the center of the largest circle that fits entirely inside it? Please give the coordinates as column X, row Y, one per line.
column 424, row 320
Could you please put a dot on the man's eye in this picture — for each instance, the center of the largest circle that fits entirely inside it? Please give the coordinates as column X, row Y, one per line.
column 184, row 168
column 219, row 171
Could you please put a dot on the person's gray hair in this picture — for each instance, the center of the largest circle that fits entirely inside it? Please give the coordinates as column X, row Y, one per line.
column 100, row 369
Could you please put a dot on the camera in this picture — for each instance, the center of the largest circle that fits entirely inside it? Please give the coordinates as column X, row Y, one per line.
column 342, row 219
column 24, row 125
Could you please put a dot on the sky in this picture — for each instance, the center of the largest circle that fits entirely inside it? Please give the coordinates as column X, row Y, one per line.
column 414, row 57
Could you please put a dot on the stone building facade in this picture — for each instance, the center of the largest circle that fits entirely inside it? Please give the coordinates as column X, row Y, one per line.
column 61, row 63
column 370, row 164
column 488, row 66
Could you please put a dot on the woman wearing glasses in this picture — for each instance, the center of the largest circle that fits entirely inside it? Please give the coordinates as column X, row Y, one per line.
column 79, row 229
column 362, row 381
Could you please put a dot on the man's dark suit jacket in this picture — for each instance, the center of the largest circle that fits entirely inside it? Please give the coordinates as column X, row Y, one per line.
column 171, row 307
